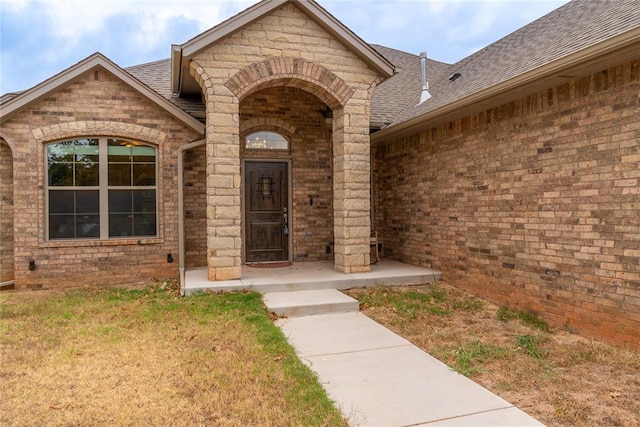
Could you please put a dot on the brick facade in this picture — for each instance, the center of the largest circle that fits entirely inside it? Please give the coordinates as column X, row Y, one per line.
column 6, row 212
column 534, row 204
column 97, row 104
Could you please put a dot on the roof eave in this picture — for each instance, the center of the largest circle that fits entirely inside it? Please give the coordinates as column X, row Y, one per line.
column 42, row 90
column 429, row 118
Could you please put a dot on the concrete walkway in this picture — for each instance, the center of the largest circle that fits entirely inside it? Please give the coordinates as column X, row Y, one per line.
column 378, row 378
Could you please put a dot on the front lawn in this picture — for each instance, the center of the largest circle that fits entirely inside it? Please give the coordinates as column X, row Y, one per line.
column 559, row 378
column 148, row 357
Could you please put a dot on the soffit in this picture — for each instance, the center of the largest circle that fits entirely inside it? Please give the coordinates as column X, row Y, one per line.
column 183, row 83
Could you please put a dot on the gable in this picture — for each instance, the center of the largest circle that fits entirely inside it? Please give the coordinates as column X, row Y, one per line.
column 183, row 83
column 93, row 63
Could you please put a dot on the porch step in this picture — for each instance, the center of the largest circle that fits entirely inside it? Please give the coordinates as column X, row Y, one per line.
column 307, row 303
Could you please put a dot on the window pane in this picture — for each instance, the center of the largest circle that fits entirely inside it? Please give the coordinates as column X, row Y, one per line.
column 88, row 226
column 61, row 201
column 144, row 154
column 119, row 150
column 144, row 224
column 144, row 201
column 120, row 225
column 61, row 226
column 87, row 174
column 120, row 201
column 266, row 141
column 144, row 174
column 120, row 174
column 73, row 163
column 60, row 174
column 88, row 201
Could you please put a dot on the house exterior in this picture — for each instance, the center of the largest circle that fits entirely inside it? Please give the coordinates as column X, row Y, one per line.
column 281, row 136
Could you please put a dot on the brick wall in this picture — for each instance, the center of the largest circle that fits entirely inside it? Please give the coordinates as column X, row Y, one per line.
column 195, row 207
column 534, row 204
column 98, row 104
column 6, row 212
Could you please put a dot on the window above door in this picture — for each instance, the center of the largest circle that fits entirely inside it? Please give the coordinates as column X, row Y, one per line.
column 266, row 140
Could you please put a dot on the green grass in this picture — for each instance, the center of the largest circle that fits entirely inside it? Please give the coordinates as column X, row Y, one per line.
column 506, row 314
column 147, row 357
column 531, row 345
column 469, row 357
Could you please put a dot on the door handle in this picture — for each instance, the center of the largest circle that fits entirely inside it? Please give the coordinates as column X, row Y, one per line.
column 285, row 220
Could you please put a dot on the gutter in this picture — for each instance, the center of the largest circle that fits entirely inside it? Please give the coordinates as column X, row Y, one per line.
column 417, row 123
column 181, row 151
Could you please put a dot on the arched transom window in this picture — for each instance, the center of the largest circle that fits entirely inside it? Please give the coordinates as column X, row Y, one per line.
column 266, row 140
column 101, row 188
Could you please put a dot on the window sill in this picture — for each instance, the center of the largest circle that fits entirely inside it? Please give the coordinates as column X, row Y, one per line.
column 96, row 243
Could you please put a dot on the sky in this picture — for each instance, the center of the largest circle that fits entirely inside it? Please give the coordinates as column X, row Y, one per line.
column 40, row 38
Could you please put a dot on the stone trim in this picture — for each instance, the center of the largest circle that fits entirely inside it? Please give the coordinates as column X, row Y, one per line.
column 101, row 127
column 314, row 78
column 267, row 123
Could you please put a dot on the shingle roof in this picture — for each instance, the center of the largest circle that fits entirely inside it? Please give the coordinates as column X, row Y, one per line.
column 157, row 75
column 399, row 92
column 575, row 26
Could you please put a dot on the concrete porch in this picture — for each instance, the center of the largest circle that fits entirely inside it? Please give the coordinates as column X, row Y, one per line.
column 306, row 276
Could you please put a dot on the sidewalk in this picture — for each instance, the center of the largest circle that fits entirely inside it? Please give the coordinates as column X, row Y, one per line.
column 378, row 378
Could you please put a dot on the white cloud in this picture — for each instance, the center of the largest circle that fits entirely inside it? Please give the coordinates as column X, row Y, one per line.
column 71, row 21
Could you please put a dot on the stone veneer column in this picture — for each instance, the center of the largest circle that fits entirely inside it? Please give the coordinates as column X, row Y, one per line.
column 351, row 187
column 224, row 250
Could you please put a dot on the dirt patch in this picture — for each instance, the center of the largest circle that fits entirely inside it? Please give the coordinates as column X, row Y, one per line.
column 557, row 377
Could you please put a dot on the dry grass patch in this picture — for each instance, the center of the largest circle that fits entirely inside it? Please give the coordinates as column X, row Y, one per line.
column 559, row 378
column 149, row 357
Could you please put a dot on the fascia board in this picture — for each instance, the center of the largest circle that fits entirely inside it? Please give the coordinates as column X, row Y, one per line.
column 424, row 121
column 176, row 68
column 42, row 90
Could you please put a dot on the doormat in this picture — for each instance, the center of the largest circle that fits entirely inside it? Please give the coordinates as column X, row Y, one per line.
column 269, row 264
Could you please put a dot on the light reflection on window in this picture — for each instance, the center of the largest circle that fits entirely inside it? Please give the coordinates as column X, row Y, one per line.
column 266, row 140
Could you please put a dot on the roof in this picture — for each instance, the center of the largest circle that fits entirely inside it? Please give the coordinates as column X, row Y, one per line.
column 15, row 104
column 182, row 82
column 550, row 50
column 579, row 31
column 157, row 75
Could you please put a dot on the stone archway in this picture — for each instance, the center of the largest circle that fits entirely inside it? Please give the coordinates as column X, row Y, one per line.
column 350, row 157
column 6, row 213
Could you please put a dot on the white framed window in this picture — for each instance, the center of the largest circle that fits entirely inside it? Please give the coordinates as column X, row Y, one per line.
column 101, row 188
column 266, row 140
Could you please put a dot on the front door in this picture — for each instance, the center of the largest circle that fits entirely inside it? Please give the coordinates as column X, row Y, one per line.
column 266, row 211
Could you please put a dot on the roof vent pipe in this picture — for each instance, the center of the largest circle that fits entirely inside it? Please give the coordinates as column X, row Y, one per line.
column 424, row 95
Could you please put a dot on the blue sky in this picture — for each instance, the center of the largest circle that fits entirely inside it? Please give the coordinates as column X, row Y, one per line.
column 40, row 38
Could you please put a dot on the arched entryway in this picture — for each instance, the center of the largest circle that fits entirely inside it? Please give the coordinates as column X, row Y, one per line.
column 6, row 215
column 305, row 218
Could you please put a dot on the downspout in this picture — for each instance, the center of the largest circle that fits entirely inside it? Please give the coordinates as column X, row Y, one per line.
column 181, row 151
column 7, row 283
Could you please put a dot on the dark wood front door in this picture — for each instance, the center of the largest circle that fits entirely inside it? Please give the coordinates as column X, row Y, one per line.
column 266, row 211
